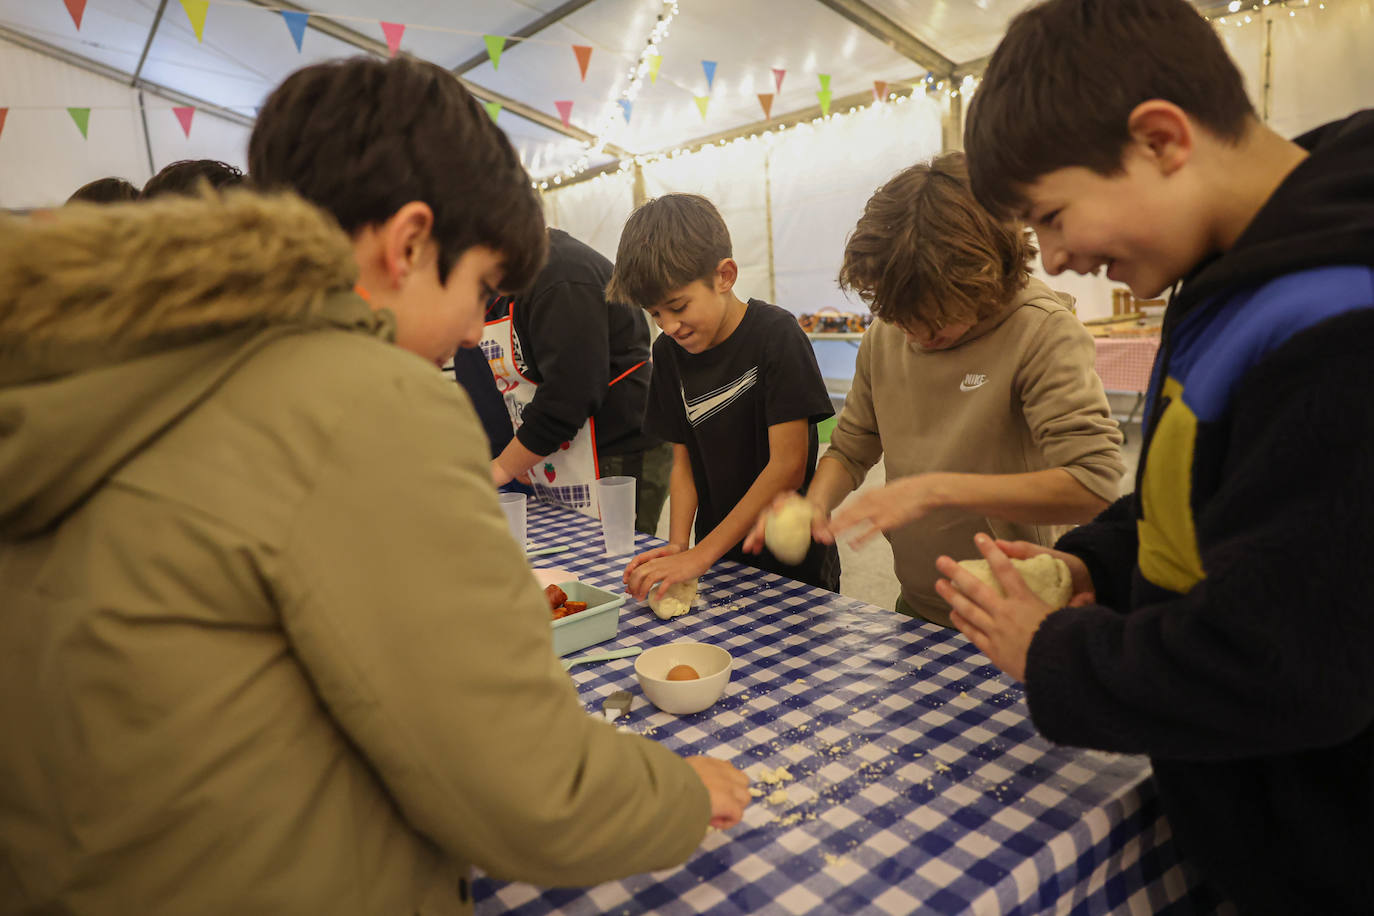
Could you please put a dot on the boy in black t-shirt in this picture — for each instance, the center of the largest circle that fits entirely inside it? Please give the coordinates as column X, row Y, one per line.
column 735, row 388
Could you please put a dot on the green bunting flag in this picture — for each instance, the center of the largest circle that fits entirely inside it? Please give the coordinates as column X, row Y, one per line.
column 82, row 117
column 493, row 109
column 495, row 45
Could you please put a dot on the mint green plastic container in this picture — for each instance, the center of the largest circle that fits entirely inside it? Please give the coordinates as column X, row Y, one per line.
column 598, row 623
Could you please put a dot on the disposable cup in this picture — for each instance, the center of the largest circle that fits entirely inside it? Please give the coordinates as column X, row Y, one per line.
column 616, row 496
column 513, row 504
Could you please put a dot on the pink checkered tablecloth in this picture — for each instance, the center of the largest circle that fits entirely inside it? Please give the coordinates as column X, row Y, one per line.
column 1124, row 363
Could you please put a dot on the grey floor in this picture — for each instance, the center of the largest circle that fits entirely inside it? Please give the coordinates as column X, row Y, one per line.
column 867, row 572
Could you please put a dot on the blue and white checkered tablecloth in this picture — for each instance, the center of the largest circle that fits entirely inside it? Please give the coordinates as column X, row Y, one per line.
column 917, row 781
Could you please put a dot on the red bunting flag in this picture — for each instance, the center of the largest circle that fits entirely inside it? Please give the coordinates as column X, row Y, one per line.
column 778, row 74
column 564, row 112
column 766, row 100
column 77, row 8
column 393, row 32
column 184, row 116
column 4, row 113
column 879, row 90
column 584, row 57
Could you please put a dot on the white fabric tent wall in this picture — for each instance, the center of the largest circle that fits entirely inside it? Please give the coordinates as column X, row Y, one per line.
column 593, row 211
column 43, row 157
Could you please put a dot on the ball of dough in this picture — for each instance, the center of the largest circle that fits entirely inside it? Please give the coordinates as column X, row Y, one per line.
column 787, row 533
column 1047, row 577
column 676, row 602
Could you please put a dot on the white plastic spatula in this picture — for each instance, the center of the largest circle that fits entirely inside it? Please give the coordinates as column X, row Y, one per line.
column 600, row 657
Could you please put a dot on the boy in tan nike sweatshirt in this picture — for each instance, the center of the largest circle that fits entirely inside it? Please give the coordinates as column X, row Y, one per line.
column 976, row 383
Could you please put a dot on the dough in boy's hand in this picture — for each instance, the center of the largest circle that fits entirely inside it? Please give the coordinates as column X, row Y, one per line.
column 1047, row 577
column 787, row 533
column 675, row 602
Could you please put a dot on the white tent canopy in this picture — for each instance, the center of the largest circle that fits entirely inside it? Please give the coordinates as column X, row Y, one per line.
column 789, row 197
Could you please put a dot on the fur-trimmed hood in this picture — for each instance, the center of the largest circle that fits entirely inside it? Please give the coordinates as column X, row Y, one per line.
column 117, row 320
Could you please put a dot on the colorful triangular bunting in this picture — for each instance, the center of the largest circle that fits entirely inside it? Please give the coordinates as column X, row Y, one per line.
column 824, row 96
column 766, row 100
column 702, row 101
column 184, row 115
column 564, row 112
column 709, row 67
column 879, row 90
column 393, row 32
column 825, row 81
column 77, row 8
column 195, row 11
column 584, row 57
column 625, row 106
column 495, row 45
column 655, row 61
column 493, row 109
column 778, row 74
column 295, row 24
column 4, row 113
column 82, row 117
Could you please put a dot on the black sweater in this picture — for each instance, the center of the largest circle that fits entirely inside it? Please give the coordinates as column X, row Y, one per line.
column 574, row 343
column 1234, row 639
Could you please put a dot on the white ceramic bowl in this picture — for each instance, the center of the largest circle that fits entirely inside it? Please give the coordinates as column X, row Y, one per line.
column 683, row 697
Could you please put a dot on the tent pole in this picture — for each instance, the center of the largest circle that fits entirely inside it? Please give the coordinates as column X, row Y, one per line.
column 157, row 18
column 147, row 139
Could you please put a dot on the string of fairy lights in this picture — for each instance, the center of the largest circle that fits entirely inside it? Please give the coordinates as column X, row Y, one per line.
column 1238, row 14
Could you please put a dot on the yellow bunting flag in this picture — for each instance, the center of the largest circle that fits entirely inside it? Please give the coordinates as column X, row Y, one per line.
column 655, row 61
column 766, row 100
column 82, row 117
column 77, row 8
column 702, row 101
column 495, row 45
column 584, row 58
column 195, row 11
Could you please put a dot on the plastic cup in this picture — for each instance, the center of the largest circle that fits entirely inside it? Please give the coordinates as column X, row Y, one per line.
column 617, row 498
column 513, row 504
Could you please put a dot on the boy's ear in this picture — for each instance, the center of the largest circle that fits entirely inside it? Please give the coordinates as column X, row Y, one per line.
column 406, row 239
column 727, row 272
column 1163, row 132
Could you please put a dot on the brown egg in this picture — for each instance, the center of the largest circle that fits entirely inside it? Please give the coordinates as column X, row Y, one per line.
column 683, row 673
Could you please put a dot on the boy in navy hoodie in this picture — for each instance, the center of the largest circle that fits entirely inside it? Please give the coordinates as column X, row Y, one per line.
column 1224, row 618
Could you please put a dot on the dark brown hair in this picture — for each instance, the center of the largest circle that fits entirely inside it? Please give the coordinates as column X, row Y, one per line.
column 104, row 191
column 189, row 175
column 925, row 253
column 1062, row 83
column 667, row 243
column 363, row 137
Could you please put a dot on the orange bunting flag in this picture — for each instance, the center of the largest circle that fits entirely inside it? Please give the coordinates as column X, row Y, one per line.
column 879, row 90
column 184, row 116
column 766, row 100
column 4, row 113
column 564, row 112
column 82, row 117
column 77, row 8
column 393, row 32
column 584, row 57
column 195, row 11
column 702, row 101
column 778, row 74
